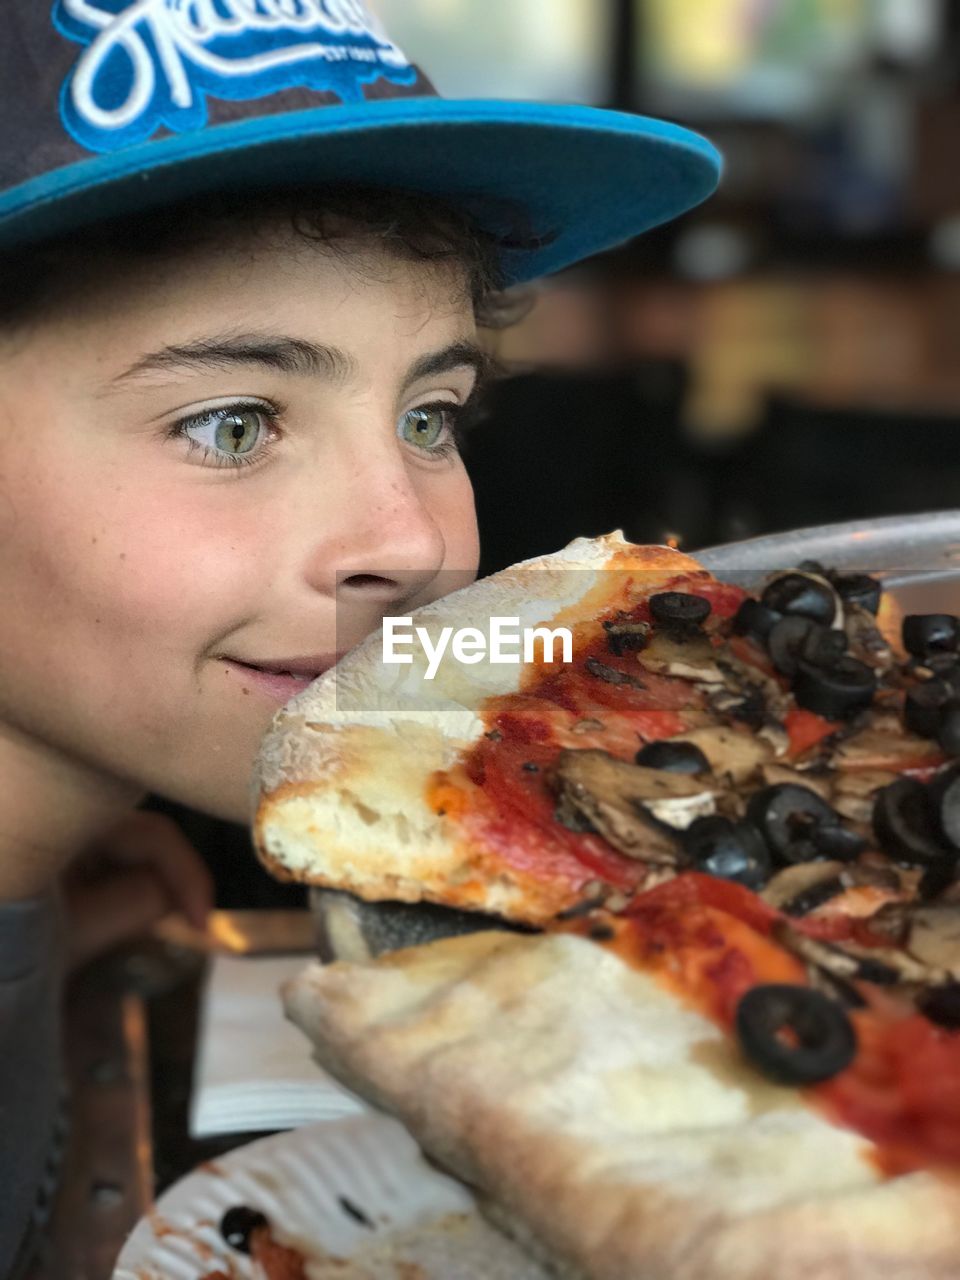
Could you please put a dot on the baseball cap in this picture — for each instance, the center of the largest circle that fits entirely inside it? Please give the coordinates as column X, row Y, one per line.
column 115, row 107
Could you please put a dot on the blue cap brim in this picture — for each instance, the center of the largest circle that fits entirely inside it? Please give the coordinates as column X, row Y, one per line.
column 583, row 179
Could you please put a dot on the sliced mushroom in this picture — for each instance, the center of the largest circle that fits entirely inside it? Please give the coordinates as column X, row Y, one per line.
column 744, row 704
column 741, row 677
column 617, row 800
column 823, row 954
column 776, row 773
column 865, row 639
column 733, row 753
column 934, row 937
column 892, row 921
column 854, row 792
column 868, row 964
column 799, row 889
column 777, row 737
column 611, row 675
column 908, row 969
column 688, row 657
column 874, row 749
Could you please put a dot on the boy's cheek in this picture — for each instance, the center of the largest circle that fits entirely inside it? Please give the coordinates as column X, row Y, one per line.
column 121, row 562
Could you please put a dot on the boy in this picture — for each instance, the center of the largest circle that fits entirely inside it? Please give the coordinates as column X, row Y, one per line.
column 244, row 249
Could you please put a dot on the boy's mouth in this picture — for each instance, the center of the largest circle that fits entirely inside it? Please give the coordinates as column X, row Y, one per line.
column 285, row 677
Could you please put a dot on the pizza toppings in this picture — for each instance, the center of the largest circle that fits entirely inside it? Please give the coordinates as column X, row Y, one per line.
column 928, row 633
column 238, row 1225
column 754, row 619
column 798, row 824
column 789, row 640
column 905, row 824
column 612, row 675
column 942, row 1006
column 924, row 705
column 800, row 889
column 794, row 1035
column 679, row 611
column 835, row 688
column 625, row 803
column 626, row 637
column 857, row 589
column 673, row 756
column 804, row 595
column 729, row 850
column 685, row 655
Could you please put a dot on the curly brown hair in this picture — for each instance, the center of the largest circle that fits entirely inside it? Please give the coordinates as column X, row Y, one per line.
column 410, row 225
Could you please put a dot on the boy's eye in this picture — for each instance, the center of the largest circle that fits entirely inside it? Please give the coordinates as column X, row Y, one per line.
column 236, row 430
column 428, row 425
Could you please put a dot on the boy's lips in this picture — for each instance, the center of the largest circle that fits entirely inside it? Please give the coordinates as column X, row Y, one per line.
column 283, row 678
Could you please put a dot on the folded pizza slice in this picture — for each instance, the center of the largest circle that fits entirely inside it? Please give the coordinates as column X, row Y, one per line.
column 663, row 1095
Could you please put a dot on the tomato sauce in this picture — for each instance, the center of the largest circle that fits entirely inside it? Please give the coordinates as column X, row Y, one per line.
column 509, row 808
column 711, row 941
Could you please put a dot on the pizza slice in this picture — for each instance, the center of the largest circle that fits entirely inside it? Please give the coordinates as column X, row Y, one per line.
column 591, row 1090
column 732, row 1050
column 526, row 790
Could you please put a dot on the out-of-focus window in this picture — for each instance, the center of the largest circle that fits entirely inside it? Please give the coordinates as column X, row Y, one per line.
column 774, row 58
column 547, row 50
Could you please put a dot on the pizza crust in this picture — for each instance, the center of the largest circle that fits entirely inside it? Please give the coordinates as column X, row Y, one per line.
column 614, row 1129
column 339, row 793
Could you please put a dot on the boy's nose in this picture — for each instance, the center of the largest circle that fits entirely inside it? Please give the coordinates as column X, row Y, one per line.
column 388, row 546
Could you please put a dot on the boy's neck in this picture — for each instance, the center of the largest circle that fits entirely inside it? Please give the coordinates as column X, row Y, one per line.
column 51, row 809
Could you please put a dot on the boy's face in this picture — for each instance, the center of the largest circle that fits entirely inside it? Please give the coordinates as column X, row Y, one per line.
column 143, row 564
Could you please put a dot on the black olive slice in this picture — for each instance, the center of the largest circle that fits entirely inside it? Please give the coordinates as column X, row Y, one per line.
column 788, row 816
column 858, row 588
column 795, row 1035
column 905, row 824
column 813, row 566
column 948, row 731
column 944, row 665
column 679, row 609
column 823, row 646
column 238, row 1224
column 838, row 843
column 785, row 642
column 728, row 850
column 795, row 594
column 942, row 1005
column 835, row 692
column 936, row 879
column 944, row 796
column 925, row 633
column 754, row 619
column 923, row 705
column 674, row 757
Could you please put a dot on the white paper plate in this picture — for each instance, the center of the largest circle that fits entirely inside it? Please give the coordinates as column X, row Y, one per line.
column 418, row 1221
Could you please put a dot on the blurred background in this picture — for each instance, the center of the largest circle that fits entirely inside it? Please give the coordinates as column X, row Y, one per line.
column 789, row 354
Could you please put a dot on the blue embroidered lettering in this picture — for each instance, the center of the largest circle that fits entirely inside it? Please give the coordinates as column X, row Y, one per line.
column 152, row 59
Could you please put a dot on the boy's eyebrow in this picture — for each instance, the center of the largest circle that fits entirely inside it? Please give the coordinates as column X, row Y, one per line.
column 297, row 356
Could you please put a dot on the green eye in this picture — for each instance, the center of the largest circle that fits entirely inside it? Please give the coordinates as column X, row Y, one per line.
column 232, row 435
column 237, row 430
column 427, row 426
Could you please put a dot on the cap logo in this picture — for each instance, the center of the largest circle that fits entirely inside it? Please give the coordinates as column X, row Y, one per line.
column 152, row 63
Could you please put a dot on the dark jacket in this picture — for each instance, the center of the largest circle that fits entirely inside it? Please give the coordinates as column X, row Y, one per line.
column 30, row 1112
